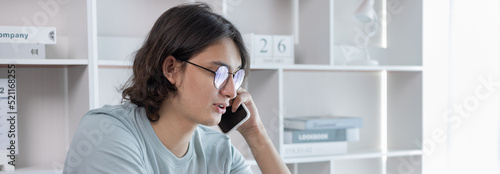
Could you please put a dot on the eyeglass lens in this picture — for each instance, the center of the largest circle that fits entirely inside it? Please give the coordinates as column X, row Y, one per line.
column 222, row 74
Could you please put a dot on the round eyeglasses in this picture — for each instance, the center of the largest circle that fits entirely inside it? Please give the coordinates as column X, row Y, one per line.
column 222, row 74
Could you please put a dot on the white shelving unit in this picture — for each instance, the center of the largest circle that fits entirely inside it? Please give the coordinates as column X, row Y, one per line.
column 388, row 97
column 96, row 40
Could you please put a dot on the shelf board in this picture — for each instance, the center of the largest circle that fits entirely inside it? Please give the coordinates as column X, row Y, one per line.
column 37, row 170
column 298, row 67
column 398, row 153
column 115, row 63
column 44, row 62
column 355, row 155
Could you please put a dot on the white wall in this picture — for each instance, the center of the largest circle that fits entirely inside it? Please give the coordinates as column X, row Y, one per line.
column 461, row 44
column 474, row 92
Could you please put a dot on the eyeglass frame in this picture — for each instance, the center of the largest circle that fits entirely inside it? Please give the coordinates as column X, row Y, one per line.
column 215, row 74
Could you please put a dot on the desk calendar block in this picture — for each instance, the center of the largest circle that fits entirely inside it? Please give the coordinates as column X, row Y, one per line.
column 270, row 49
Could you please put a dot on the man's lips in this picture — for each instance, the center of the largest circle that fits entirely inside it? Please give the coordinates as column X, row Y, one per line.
column 220, row 108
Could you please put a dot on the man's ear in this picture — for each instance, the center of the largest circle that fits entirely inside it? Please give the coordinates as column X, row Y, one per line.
column 170, row 68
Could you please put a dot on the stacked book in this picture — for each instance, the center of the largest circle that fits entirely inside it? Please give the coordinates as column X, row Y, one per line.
column 319, row 135
column 25, row 42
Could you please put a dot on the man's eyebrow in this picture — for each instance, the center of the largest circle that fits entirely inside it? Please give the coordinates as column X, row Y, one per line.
column 219, row 63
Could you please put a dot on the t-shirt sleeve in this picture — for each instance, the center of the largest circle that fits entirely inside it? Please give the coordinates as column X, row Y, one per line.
column 103, row 144
column 239, row 164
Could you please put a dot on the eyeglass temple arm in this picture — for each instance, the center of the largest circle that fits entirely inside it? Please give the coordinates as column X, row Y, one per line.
column 201, row 67
column 232, row 73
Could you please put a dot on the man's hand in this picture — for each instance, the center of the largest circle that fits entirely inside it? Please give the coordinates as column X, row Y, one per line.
column 255, row 134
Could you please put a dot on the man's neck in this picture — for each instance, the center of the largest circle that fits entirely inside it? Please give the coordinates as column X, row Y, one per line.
column 174, row 131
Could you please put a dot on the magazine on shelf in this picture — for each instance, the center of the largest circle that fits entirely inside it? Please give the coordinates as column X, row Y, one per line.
column 22, row 51
column 321, row 135
column 322, row 122
column 27, row 34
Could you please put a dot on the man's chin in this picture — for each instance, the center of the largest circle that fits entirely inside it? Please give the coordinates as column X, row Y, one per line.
column 213, row 122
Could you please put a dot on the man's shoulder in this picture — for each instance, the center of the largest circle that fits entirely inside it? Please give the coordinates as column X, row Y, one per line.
column 106, row 135
column 122, row 109
column 124, row 112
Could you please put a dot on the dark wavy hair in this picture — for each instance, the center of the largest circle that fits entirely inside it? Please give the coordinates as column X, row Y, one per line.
column 182, row 32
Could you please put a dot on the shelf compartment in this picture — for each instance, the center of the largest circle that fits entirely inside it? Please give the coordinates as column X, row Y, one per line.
column 359, row 166
column 68, row 17
column 314, row 38
column 311, row 37
column 313, row 167
column 273, row 17
column 51, row 101
column 404, row 164
column 117, row 48
column 404, row 110
column 355, row 94
column 115, row 43
column 110, row 82
column 114, row 21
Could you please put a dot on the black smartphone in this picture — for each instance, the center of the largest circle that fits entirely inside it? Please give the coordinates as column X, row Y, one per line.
column 230, row 121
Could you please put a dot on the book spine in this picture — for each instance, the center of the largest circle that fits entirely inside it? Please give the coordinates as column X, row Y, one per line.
column 22, row 51
column 27, row 34
column 294, row 124
column 334, row 123
column 314, row 149
column 312, row 136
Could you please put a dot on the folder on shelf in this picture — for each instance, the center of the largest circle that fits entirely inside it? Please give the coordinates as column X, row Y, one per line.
column 27, row 34
column 22, row 51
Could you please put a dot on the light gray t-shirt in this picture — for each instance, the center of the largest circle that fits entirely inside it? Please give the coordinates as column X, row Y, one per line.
column 120, row 139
